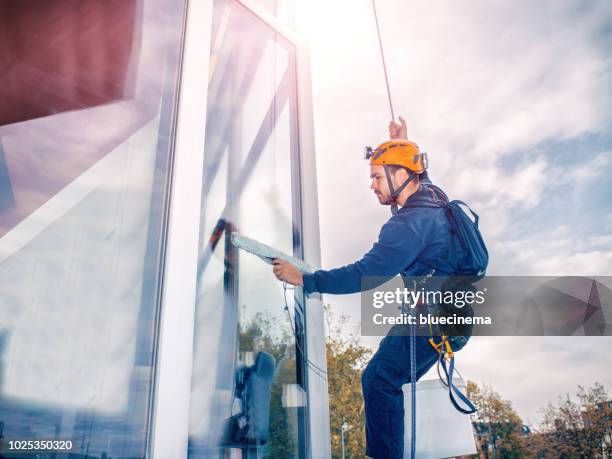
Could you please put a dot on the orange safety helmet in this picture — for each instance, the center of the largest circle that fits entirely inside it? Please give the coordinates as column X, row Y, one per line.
column 402, row 153
column 398, row 152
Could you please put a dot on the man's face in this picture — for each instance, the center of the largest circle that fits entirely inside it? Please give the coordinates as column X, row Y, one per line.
column 380, row 185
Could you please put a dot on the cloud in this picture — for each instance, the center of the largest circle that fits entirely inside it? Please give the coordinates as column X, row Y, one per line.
column 507, row 99
column 483, row 88
column 531, row 371
column 592, row 169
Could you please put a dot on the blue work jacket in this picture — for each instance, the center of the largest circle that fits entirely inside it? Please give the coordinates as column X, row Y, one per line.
column 412, row 243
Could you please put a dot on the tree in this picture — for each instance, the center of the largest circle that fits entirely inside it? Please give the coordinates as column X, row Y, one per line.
column 575, row 427
column 346, row 357
column 498, row 426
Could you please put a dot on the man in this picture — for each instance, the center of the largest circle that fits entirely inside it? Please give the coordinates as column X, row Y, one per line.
column 416, row 241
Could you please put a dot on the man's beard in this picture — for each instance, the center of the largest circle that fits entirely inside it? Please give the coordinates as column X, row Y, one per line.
column 383, row 200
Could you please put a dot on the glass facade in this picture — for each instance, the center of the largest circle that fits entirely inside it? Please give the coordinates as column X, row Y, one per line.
column 283, row 10
column 99, row 209
column 86, row 126
column 251, row 186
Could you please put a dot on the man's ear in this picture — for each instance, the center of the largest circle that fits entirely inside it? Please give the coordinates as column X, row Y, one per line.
column 401, row 174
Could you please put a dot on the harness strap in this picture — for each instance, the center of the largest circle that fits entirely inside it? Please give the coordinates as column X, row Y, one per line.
column 474, row 214
column 446, row 354
column 453, row 390
column 413, row 381
column 445, row 343
column 395, row 193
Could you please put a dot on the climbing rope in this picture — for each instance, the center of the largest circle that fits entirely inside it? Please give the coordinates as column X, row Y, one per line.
column 413, row 387
column 382, row 55
column 320, row 372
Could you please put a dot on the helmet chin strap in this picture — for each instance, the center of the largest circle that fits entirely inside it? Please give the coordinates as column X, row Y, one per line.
column 395, row 193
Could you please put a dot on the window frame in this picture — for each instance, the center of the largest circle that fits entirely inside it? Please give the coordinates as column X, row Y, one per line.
column 172, row 387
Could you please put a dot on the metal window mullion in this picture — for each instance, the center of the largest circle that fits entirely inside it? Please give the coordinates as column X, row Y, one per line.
column 269, row 19
column 170, row 420
column 298, row 251
column 318, row 404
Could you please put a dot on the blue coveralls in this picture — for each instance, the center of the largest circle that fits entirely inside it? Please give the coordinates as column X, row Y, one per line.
column 410, row 243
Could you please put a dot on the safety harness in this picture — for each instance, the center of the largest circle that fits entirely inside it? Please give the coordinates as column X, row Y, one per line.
column 446, row 355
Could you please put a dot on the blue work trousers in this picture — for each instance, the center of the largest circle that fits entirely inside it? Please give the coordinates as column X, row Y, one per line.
column 382, row 382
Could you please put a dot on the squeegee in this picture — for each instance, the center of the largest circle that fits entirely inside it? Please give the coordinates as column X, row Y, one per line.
column 267, row 253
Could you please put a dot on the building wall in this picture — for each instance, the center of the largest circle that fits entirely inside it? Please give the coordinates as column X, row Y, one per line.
column 113, row 299
column 82, row 237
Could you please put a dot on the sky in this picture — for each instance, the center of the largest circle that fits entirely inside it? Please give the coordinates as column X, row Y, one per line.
column 512, row 102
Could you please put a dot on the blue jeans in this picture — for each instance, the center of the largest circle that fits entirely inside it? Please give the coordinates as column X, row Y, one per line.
column 382, row 382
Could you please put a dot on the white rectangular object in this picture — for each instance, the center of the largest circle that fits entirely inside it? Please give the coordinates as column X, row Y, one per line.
column 267, row 253
column 441, row 430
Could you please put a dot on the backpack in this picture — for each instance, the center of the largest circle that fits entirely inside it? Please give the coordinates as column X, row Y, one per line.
column 470, row 268
column 252, row 425
column 467, row 238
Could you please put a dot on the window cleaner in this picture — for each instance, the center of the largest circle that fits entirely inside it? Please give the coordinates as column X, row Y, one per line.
column 394, row 195
column 443, row 349
column 251, row 426
column 425, row 236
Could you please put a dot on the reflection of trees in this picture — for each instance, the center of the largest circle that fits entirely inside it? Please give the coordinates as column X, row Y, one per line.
column 346, row 357
column 263, row 332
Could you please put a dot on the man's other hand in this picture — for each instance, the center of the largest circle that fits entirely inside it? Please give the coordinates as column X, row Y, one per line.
column 398, row 131
column 285, row 271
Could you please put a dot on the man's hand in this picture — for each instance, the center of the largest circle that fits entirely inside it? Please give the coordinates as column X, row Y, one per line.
column 285, row 271
column 398, row 131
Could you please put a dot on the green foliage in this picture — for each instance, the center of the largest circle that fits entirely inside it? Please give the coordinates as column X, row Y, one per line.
column 501, row 423
column 575, row 427
column 346, row 357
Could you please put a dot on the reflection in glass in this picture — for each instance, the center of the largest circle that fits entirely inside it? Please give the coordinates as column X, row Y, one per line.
column 281, row 9
column 84, row 167
column 59, row 57
column 251, row 185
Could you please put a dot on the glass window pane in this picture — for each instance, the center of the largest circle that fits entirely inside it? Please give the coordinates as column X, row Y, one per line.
column 85, row 146
column 244, row 336
column 282, row 9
